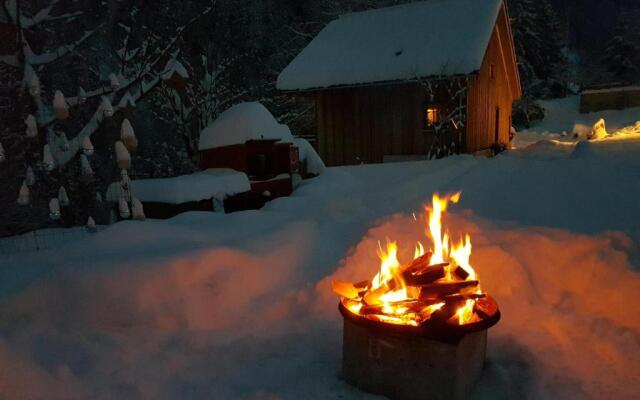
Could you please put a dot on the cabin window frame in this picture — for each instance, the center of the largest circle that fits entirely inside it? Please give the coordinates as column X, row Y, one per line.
column 431, row 116
column 439, row 109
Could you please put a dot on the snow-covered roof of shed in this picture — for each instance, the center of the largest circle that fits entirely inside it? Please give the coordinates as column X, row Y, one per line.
column 241, row 123
column 417, row 40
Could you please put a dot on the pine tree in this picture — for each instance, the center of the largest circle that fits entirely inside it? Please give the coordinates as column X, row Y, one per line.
column 622, row 54
column 538, row 37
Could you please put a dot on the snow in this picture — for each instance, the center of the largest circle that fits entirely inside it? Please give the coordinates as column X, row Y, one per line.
column 411, row 41
column 127, row 100
column 243, row 122
column 563, row 120
column 309, row 156
column 174, row 67
column 213, row 183
column 238, row 306
column 122, row 155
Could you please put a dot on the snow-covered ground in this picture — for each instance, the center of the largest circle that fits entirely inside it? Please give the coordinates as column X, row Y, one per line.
column 239, row 306
column 563, row 119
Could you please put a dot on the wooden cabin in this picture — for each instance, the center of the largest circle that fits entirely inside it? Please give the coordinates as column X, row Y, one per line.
column 420, row 80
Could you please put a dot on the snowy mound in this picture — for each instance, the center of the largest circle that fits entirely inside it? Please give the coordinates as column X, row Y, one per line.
column 212, row 183
column 240, row 123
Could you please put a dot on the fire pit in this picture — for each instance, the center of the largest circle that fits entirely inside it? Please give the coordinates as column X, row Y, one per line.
column 418, row 330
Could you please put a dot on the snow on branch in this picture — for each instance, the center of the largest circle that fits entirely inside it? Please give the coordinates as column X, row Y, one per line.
column 75, row 144
column 51, row 56
column 135, row 90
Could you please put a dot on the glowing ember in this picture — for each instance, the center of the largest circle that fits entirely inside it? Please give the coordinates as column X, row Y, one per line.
column 440, row 282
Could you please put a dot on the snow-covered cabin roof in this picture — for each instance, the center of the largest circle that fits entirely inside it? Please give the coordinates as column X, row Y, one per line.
column 241, row 123
column 416, row 40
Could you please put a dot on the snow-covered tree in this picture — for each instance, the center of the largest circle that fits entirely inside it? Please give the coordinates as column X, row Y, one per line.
column 621, row 57
column 539, row 39
column 104, row 52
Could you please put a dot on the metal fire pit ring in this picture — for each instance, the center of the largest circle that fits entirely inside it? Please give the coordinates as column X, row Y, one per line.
column 432, row 329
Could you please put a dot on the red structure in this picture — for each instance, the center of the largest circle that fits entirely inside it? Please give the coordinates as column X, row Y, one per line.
column 269, row 164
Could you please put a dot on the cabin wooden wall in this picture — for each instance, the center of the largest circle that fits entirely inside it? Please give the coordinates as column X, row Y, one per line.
column 361, row 125
column 489, row 92
column 365, row 124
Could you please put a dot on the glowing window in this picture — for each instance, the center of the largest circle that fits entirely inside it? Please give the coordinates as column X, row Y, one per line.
column 432, row 116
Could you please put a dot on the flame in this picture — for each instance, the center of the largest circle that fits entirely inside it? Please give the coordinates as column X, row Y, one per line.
column 440, row 242
column 465, row 314
column 389, row 299
column 419, row 252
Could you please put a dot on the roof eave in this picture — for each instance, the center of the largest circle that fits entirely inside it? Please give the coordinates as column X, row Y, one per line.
column 379, row 83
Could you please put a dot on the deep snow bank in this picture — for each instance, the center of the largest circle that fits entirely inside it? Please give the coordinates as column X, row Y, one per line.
column 238, row 323
column 238, row 306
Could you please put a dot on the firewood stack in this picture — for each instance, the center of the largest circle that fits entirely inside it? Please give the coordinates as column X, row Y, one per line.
column 433, row 292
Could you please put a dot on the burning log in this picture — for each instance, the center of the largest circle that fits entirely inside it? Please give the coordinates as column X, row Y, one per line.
column 426, row 276
column 373, row 297
column 368, row 310
column 439, row 290
column 462, row 297
column 486, row 307
column 363, row 285
column 417, row 264
column 345, row 289
column 461, row 273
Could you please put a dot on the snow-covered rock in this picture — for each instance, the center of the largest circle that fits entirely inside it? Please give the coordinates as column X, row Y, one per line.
column 581, row 131
column 208, row 184
column 243, row 122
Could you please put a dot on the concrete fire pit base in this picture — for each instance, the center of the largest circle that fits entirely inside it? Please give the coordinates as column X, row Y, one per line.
column 411, row 367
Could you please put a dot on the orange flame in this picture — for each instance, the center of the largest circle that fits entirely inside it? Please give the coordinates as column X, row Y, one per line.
column 395, row 302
